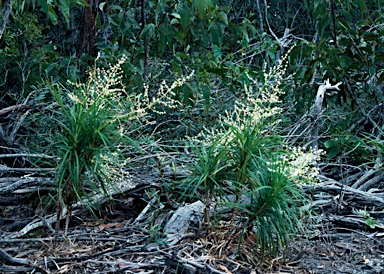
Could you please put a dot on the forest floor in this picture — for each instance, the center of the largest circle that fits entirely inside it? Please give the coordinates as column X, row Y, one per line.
column 118, row 244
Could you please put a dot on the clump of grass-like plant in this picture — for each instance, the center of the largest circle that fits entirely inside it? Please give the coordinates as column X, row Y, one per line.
column 271, row 202
column 209, row 172
column 90, row 119
column 95, row 120
column 260, row 169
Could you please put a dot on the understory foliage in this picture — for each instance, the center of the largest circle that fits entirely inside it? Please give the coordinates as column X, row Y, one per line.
column 96, row 120
column 203, row 79
column 91, row 131
column 245, row 155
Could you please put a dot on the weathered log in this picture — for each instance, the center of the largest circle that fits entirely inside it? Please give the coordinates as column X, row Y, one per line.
column 184, row 217
column 25, row 182
column 355, row 223
column 361, row 197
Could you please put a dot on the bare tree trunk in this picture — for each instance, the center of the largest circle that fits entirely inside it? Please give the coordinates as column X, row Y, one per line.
column 87, row 31
column 143, row 24
column 7, row 11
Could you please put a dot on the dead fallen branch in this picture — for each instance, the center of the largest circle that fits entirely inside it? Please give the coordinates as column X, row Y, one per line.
column 12, row 108
column 8, row 258
column 26, row 182
column 355, row 223
column 92, row 199
column 26, row 155
column 4, row 169
column 350, row 194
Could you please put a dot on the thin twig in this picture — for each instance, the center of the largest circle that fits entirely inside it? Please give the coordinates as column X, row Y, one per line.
column 26, row 155
column 7, row 12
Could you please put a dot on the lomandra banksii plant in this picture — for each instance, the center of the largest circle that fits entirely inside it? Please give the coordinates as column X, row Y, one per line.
column 264, row 174
column 93, row 120
column 90, row 130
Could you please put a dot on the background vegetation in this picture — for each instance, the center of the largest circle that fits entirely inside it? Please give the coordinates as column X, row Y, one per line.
column 225, row 85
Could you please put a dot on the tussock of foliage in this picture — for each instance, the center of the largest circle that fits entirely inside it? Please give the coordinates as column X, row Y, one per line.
column 245, row 155
column 96, row 121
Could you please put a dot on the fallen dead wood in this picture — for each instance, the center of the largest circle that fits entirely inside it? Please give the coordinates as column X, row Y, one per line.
column 347, row 207
column 12, row 108
column 4, row 169
column 350, row 194
column 371, row 183
column 8, row 258
column 35, row 223
column 26, row 182
column 355, row 223
column 26, row 155
column 53, row 261
column 92, row 199
column 183, row 217
column 117, row 254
